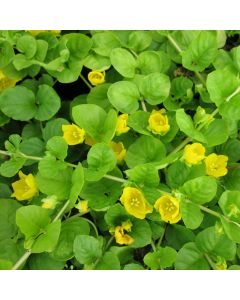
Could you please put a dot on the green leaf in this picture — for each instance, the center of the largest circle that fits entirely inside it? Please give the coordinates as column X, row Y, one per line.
column 115, row 215
column 141, row 233
column 98, row 96
column 155, row 88
column 191, row 214
column 186, row 125
column 87, row 249
column 150, row 62
column 78, row 44
column 18, row 103
column 145, row 149
column 57, row 147
column 101, row 159
column 230, row 149
column 123, row 61
column 43, row 261
column 54, row 128
column 161, row 259
column 97, row 62
column 124, row 96
column 8, row 227
column 10, row 250
column 5, row 264
column 96, row 122
column 181, row 88
column 216, row 132
column 138, row 121
column 201, row 52
column 210, row 241
column 191, row 258
column 33, row 146
column 144, row 175
column 139, row 40
column 54, row 181
column 20, row 62
column 5, row 190
column 176, row 174
column 178, row 235
column 7, row 53
column 47, row 241
column 200, row 190
column 11, row 167
column 133, row 266
column 69, row 230
column 48, row 102
column 31, row 220
column 232, row 179
column 104, row 42
column 27, row 45
column 232, row 229
column 230, row 204
column 77, row 185
column 109, row 261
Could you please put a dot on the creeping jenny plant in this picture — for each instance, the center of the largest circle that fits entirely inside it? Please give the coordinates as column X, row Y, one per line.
column 119, row 150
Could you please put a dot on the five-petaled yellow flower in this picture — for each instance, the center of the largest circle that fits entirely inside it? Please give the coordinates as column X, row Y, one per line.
column 82, row 206
column 216, row 165
column 119, row 232
column 122, row 124
column 119, row 150
column 194, row 153
column 169, row 208
column 96, row 77
column 158, row 122
column 25, row 188
column 73, row 134
column 49, row 202
column 36, row 32
column 6, row 82
column 135, row 203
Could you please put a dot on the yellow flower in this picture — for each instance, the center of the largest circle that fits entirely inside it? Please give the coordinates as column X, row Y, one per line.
column 122, row 124
column 49, row 202
column 82, row 206
column 119, row 232
column 216, row 165
column 6, row 82
column 96, row 77
column 221, row 263
column 36, row 32
column 168, row 208
column 25, row 188
column 135, row 203
column 194, row 153
column 158, row 122
column 73, row 134
column 89, row 140
column 119, row 150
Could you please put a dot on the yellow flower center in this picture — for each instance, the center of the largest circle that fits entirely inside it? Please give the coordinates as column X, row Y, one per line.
column 170, row 207
column 135, row 202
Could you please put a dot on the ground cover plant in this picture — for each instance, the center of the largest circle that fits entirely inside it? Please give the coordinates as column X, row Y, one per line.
column 119, row 150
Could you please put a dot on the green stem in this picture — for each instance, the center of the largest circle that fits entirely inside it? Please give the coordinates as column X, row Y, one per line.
column 61, row 211
column 210, row 262
column 93, row 225
column 85, row 81
column 153, row 246
column 162, row 236
column 21, row 260
column 209, row 211
column 180, row 146
column 114, row 178
column 143, row 106
column 109, row 242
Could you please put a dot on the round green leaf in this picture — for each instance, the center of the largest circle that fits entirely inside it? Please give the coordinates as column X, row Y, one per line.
column 6, row 53
column 123, row 61
column 124, row 96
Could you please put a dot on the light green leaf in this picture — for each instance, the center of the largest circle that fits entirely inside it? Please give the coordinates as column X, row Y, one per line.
column 230, row 204
column 123, row 61
column 27, row 45
column 216, row 132
column 139, row 40
column 141, row 233
column 11, row 167
column 109, row 261
column 161, row 259
column 57, row 147
column 191, row 214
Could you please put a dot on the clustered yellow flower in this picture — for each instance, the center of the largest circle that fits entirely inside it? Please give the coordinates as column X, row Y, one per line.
column 135, row 203
column 194, row 153
column 96, row 77
column 169, row 208
column 25, row 188
column 73, row 134
column 6, row 82
column 119, row 150
column 122, row 124
column 158, row 122
column 82, row 206
column 37, row 32
column 49, row 202
column 216, row 165
column 119, row 232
